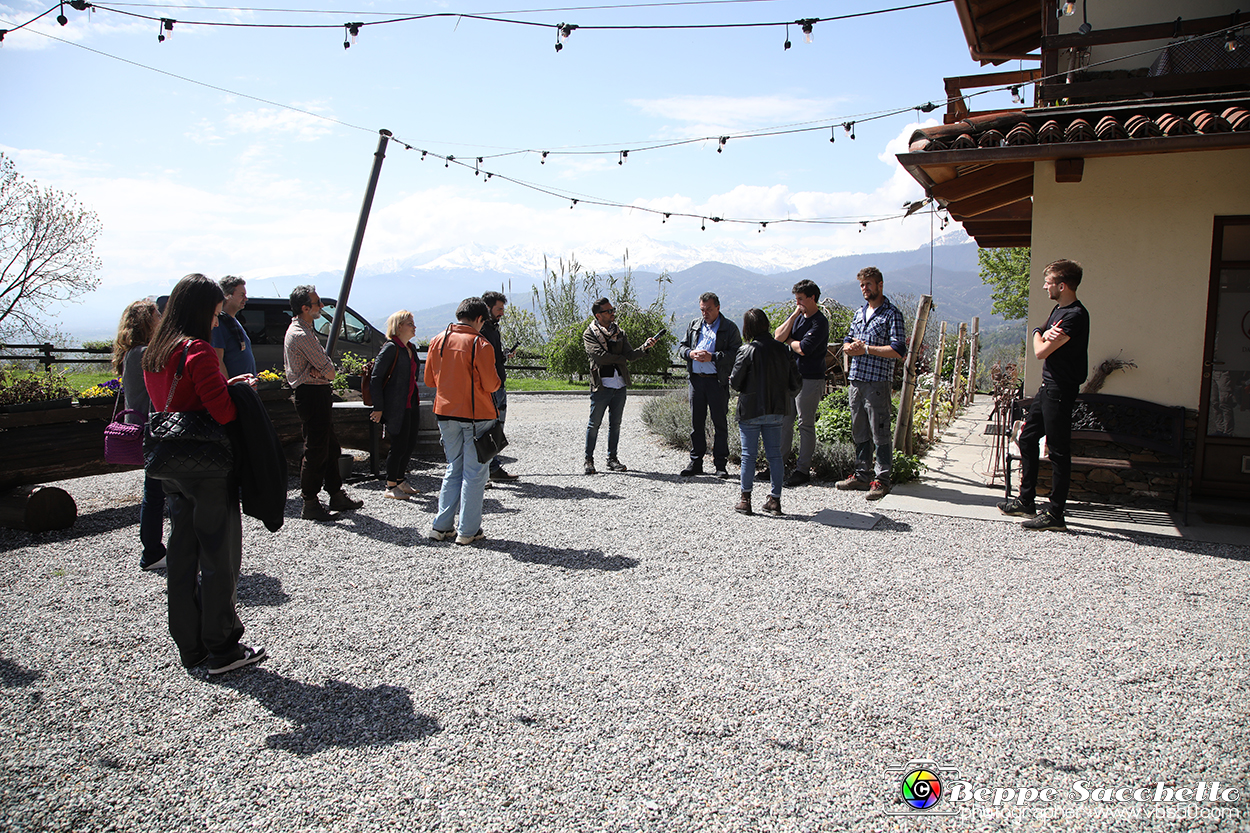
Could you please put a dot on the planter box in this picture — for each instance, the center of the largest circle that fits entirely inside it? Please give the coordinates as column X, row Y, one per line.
column 45, row 405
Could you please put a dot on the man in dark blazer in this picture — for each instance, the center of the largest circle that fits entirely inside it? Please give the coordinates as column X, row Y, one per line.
column 709, row 349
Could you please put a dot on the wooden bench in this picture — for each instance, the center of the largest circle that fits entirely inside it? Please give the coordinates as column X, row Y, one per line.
column 1133, row 423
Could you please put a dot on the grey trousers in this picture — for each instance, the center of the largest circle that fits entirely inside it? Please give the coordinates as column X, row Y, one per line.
column 805, row 403
column 870, row 426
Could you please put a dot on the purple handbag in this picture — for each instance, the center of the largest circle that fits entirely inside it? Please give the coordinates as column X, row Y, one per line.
column 123, row 441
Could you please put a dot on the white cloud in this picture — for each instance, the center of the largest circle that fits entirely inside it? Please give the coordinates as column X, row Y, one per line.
column 704, row 115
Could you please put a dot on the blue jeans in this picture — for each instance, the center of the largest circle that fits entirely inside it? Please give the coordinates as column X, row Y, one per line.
column 750, row 430
column 464, row 483
column 500, row 398
column 870, row 426
column 611, row 400
column 152, row 522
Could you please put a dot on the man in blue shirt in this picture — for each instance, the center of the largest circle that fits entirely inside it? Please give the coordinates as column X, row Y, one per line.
column 709, row 348
column 806, row 334
column 229, row 339
column 877, row 339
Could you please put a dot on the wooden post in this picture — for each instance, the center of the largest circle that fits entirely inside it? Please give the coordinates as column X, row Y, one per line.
column 974, row 346
column 902, row 427
column 937, row 380
column 957, row 391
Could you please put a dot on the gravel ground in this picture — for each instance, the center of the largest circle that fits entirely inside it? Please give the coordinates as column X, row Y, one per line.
column 624, row 652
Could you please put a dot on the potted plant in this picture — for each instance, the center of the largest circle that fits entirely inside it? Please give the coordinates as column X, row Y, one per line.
column 34, row 391
column 268, row 380
column 104, row 393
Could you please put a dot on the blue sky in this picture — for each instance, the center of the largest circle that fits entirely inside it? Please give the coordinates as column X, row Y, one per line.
column 189, row 178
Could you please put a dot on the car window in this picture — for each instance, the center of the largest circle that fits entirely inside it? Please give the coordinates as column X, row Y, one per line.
column 355, row 330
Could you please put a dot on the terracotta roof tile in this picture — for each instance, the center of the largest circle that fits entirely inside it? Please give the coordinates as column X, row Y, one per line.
column 1140, row 127
column 1079, row 131
column 1116, row 121
column 1050, row 133
column 992, row 139
column 1021, row 134
column 1109, row 128
column 1238, row 118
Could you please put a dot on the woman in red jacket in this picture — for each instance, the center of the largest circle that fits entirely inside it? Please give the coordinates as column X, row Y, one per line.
column 205, row 549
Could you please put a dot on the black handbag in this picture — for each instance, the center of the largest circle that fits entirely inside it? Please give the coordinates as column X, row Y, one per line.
column 490, row 443
column 185, row 444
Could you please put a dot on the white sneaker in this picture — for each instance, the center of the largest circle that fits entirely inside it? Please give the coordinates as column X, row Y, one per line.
column 441, row 535
column 469, row 539
column 395, row 493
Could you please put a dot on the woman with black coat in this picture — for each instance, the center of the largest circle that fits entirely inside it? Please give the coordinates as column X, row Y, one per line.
column 393, row 387
column 766, row 378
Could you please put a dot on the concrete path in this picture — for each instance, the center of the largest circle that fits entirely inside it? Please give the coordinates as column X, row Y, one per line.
column 961, row 483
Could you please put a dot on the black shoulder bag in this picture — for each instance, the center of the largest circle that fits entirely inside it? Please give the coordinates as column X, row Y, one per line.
column 185, row 444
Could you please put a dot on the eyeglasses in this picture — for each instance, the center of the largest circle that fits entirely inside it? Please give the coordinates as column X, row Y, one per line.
column 607, row 311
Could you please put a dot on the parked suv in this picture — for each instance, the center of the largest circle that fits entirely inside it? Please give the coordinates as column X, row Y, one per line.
column 266, row 321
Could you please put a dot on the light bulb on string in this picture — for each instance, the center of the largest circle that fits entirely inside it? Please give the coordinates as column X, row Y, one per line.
column 447, row 160
column 423, row 153
column 762, row 227
column 543, row 161
column 354, row 30
column 666, row 216
column 1016, row 98
column 787, row 44
column 849, row 127
column 624, row 155
column 721, row 147
column 347, row 44
column 1230, row 43
column 1067, row 8
column 61, row 18
column 573, row 205
column 703, row 227
column 807, row 28
column 477, row 167
column 833, row 134
column 166, row 25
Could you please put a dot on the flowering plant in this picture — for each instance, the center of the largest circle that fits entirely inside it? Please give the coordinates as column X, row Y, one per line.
column 33, row 387
column 110, row 388
column 268, row 376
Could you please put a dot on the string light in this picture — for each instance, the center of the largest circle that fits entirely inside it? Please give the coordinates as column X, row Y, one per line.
column 61, row 18
column 721, row 147
column 1230, row 43
column 1068, row 8
column 849, row 127
column 833, row 134
column 543, row 161
column 787, row 44
column 447, row 160
column 624, row 154
column 166, row 25
column 1016, row 98
column 807, row 27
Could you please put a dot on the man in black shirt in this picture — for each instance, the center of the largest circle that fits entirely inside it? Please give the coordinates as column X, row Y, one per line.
column 806, row 334
column 1063, row 347
column 496, row 302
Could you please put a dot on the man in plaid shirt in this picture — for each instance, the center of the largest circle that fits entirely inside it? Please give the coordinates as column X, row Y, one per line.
column 877, row 339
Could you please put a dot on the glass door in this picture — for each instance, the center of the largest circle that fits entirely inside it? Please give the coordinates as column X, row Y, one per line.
column 1222, row 460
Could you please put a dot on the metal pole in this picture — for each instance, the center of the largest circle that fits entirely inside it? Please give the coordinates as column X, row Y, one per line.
column 340, row 306
column 974, row 348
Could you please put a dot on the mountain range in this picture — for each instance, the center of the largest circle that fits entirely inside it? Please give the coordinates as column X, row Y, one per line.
column 949, row 272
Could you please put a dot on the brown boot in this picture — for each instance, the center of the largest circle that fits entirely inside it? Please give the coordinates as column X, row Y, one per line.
column 772, row 505
column 744, row 504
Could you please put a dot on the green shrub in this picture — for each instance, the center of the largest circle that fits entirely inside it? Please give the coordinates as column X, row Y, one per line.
column 668, row 417
column 906, row 467
column 101, row 346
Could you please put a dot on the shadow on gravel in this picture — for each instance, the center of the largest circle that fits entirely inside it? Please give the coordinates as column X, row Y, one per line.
column 538, row 491
column 559, row 557
column 13, row 675
column 260, row 590
column 336, row 714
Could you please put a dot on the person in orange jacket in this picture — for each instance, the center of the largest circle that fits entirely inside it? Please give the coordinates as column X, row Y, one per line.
column 460, row 366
